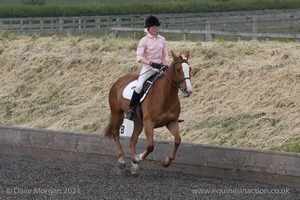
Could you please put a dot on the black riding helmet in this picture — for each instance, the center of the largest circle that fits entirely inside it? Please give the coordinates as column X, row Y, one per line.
column 151, row 21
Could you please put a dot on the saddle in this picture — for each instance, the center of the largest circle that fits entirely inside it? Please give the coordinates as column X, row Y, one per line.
column 128, row 90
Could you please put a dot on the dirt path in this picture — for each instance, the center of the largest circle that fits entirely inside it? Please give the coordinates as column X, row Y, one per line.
column 24, row 177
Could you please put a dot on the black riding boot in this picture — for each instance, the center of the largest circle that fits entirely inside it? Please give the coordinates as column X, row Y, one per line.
column 134, row 99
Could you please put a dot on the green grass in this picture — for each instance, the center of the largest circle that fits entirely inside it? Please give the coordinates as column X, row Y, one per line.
column 6, row 108
column 227, row 130
column 87, row 2
column 55, row 8
column 8, row 36
column 228, row 124
column 292, row 145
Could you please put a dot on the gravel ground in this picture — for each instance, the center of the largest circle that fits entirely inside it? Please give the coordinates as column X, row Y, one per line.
column 25, row 177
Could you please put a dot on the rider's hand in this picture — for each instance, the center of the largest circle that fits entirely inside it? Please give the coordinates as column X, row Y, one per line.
column 156, row 65
column 164, row 69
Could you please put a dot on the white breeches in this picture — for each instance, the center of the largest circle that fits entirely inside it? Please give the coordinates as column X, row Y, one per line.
column 146, row 72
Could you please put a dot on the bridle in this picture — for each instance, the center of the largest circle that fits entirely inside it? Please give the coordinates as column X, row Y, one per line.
column 177, row 84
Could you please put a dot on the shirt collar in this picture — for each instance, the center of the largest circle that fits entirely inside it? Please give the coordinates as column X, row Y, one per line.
column 149, row 35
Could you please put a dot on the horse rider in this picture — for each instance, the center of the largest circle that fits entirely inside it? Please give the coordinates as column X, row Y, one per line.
column 152, row 54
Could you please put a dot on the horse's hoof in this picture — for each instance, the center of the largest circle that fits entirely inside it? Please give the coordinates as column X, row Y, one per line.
column 137, row 159
column 121, row 165
column 134, row 169
column 165, row 163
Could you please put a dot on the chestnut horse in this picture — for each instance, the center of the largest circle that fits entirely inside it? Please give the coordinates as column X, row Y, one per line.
column 161, row 107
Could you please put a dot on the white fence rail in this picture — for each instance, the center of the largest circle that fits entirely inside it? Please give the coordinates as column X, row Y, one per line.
column 271, row 24
column 209, row 34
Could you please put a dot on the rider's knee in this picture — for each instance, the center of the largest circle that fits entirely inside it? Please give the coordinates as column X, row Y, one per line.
column 138, row 89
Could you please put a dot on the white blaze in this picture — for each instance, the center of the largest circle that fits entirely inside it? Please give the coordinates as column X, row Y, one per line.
column 186, row 71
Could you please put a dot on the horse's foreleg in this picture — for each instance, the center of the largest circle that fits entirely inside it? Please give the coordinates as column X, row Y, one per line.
column 174, row 129
column 150, row 144
column 138, row 127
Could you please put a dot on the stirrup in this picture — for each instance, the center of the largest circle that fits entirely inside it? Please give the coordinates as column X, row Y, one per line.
column 130, row 115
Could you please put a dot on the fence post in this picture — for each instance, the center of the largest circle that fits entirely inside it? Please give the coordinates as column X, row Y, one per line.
column 79, row 24
column 184, row 36
column 98, row 23
column 133, row 24
column 30, row 25
column 84, row 24
column 119, row 21
column 52, row 26
column 208, row 37
column 291, row 21
column 42, row 24
column 21, row 24
column 61, row 22
column 254, row 28
column 114, row 34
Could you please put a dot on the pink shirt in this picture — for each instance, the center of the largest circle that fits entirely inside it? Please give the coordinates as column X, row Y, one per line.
column 152, row 48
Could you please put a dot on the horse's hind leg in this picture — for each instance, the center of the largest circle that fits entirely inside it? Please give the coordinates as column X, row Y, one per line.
column 174, row 129
column 117, row 119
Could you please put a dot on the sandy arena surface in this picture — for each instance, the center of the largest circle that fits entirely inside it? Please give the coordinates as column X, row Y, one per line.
column 25, row 177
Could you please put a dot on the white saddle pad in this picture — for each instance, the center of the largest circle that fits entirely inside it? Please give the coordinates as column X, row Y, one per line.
column 128, row 91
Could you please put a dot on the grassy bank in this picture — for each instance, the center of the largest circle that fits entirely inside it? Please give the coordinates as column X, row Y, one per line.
column 245, row 93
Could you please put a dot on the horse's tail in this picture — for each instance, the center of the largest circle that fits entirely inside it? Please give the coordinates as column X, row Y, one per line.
column 108, row 130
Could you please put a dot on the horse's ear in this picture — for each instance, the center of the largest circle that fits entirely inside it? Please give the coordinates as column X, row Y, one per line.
column 187, row 54
column 174, row 55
